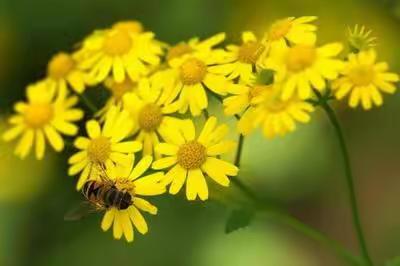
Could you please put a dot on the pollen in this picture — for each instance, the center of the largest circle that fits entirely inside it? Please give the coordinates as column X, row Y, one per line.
column 178, row 51
column 99, row 150
column 125, row 185
column 300, row 57
column 249, row 52
column 192, row 155
column 192, row 71
column 150, row 117
column 60, row 66
column 119, row 89
column 129, row 26
column 117, row 43
column 38, row 115
column 279, row 29
column 362, row 75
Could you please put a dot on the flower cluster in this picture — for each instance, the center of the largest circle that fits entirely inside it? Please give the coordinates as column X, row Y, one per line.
column 157, row 93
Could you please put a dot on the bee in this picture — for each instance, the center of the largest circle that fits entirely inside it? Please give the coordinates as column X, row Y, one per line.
column 101, row 195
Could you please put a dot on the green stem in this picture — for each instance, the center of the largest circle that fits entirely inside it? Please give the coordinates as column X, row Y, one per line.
column 349, row 178
column 89, row 104
column 284, row 218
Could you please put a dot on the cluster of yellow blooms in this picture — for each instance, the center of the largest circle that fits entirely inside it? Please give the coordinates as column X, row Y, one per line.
column 152, row 85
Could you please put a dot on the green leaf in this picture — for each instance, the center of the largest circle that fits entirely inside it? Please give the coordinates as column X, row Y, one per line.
column 238, row 219
column 393, row 262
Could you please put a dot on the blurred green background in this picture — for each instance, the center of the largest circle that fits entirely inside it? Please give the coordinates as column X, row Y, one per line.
column 303, row 170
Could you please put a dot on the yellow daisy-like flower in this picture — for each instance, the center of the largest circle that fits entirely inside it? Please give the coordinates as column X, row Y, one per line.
column 189, row 73
column 291, row 30
column 243, row 97
column 63, row 71
column 117, row 91
column 242, row 60
column 190, row 158
column 365, row 80
column 149, row 114
column 303, row 67
column 120, row 52
column 131, row 179
column 45, row 116
column 274, row 115
column 104, row 146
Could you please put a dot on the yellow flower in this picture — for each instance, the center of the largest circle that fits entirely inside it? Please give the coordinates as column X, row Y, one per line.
column 149, row 115
column 130, row 178
column 274, row 115
column 303, row 67
column 120, row 52
column 45, row 115
column 130, row 26
column 63, row 72
column 117, row 91
column 242, row 59
column 291, row 30
column 364, row 80
column 190, row 158
column 189, row 75
column 243, row 97
column 105, row 145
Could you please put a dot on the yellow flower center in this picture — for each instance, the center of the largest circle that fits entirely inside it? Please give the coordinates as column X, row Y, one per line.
column 118, row 89
column 60, row 66
column 99, row 150
column 279, row 29
column 249, row 52
column 117, row 43
column 192, row 155
column 126, row 185
column 362, row 75
column 178, row 51
column 300, row 57
column 129, row 26
column 150, row 117
column 192, row 71
column 38, row 115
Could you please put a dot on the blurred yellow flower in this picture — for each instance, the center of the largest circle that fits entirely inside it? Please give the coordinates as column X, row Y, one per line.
column 190, row 158
column 243, row 97
column 274, row 115
column 303, row 67
column 242, row 60
column 149, row 115
column 130, row 26
column 291, row 30
column 131, row 178
column 105, row 146
column 121, row 52
column 63, row 72
column 47, row 114
column 364, row 80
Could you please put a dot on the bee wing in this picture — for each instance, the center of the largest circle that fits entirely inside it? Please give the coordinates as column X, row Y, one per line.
column 81, row 211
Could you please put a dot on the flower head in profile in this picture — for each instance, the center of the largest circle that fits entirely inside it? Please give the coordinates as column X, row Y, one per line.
column 242, row 60
column 63, row 72
column 45, row 117
column 104, row 145
column 275, row 116
column 132, row 179
column 303, row 67
column 291, row 30
column 150, row 115
column 364, row 80
column 360, row 38
column 189, row 75
column 191, row 159
column 120, row 51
